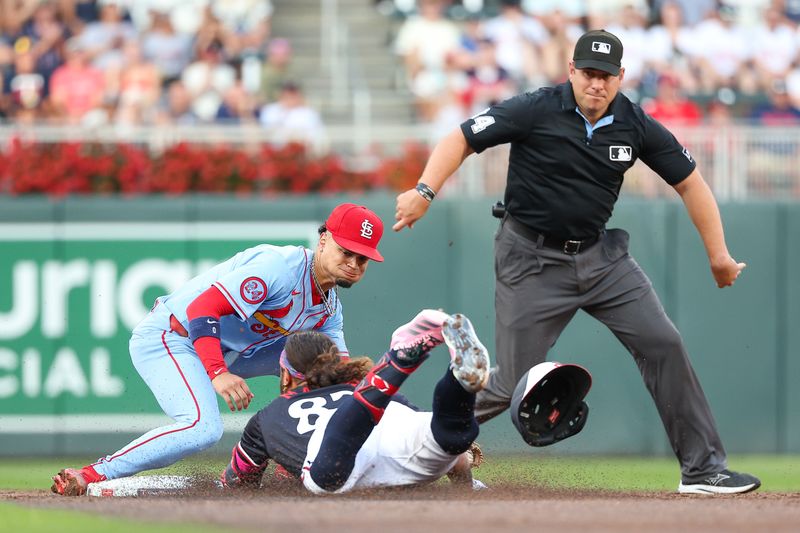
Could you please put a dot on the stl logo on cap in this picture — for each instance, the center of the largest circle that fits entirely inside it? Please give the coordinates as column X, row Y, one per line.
column 366, row 229
column 357, row 229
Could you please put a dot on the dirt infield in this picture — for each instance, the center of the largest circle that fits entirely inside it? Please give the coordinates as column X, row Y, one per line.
column 442, row 508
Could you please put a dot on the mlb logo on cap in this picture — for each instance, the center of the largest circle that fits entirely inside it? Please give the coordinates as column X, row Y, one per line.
column 600, row 50
column 357, row 229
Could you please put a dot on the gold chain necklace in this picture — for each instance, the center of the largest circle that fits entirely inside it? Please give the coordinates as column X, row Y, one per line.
column 328, row 300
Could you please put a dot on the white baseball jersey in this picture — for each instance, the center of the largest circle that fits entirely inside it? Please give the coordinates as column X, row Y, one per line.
column 269, row 287
column 401, row 450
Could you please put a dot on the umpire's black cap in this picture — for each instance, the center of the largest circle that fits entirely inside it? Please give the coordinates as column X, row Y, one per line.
column 599, row 49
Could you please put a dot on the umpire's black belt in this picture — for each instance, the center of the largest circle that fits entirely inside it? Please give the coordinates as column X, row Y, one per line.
column 569, row 246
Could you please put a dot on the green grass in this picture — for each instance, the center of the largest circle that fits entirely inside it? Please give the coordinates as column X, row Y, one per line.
column 31, row 520
column 778, row 473
column 33, row 474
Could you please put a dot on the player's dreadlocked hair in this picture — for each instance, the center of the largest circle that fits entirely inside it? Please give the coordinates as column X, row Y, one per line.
column 315, row 355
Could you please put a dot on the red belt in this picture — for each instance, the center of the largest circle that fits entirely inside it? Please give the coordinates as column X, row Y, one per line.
column 177, row 327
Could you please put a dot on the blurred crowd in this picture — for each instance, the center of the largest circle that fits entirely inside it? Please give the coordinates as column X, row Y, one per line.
column 188, row 62
column 687, row 62
column 147, row 62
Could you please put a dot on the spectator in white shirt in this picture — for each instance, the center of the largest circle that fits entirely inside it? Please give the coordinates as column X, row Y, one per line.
column 746, row 13
column 207, row 79
column 721, row 51
column 103, row 40
column 629, row 26
column 518, row 37
column 774, row 47
column 667, row 45
column 610, row 9
column 427, row 42
column 291, row 119
column 248, row 23
column 693, row 11
column 169, row 50
column 572, row 10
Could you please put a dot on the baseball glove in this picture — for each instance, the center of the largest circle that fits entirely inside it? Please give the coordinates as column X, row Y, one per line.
column 475, row 455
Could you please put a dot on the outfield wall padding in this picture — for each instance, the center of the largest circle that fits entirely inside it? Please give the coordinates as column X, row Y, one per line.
column 744, row 341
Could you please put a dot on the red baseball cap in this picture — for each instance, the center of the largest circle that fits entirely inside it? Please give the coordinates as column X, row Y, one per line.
column 357, row 229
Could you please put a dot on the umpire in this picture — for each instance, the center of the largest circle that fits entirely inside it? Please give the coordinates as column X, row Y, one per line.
column 570, row 147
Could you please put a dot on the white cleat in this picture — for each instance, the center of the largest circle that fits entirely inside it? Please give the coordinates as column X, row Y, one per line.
column 469, row 359
column 477, row 484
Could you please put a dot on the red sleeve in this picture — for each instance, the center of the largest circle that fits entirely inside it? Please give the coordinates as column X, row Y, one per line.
column 210, row 303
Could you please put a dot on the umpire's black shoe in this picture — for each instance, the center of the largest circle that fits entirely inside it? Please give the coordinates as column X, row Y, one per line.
column 725, row 482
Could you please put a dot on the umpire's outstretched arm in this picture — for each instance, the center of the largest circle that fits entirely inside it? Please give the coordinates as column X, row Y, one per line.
column 445, row 159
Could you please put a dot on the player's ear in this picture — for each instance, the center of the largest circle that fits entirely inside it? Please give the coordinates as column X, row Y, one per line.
column 286, row 380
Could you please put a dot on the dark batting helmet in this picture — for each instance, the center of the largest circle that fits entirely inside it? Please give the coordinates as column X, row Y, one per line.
column 547, row 405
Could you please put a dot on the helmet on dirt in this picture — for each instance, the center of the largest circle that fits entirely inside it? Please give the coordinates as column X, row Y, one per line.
column 547, row 405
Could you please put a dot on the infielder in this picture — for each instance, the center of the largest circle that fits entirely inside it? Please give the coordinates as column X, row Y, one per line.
column 570, row 147
column 247, row 305
column 338, row 432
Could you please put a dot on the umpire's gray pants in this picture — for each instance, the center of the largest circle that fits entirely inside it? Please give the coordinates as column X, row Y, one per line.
column 537, row 292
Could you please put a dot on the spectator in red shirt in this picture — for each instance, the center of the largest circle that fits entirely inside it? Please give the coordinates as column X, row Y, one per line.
column 670, row 106
column 76, row 88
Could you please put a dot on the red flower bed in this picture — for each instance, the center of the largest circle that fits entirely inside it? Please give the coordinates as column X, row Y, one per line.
column 95, row 168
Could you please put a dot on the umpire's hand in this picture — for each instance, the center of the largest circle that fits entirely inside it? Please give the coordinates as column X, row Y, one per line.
column 726, row 270
column 234, row 390
column 410, row 208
